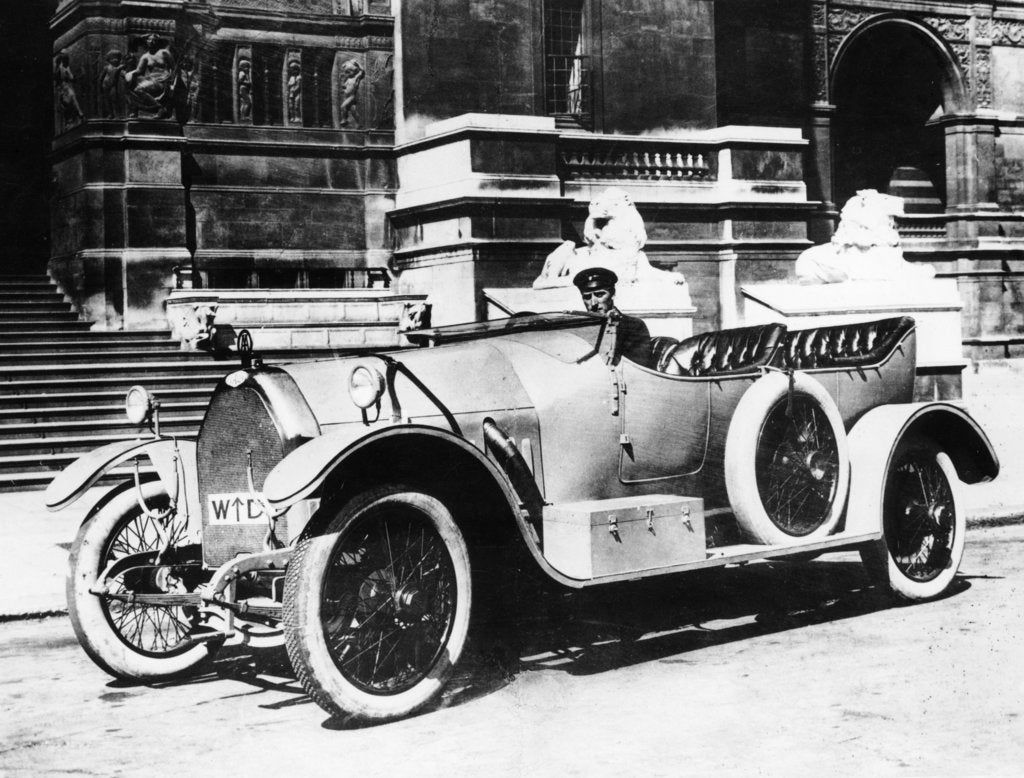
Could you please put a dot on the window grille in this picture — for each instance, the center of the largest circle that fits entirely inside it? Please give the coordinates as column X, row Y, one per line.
column 566, row 64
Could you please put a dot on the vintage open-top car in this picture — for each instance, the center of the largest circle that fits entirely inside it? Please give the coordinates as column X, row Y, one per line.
column 357, row 507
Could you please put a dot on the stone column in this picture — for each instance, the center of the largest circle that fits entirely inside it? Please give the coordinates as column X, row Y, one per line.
column 970, row 176
column 820, row 173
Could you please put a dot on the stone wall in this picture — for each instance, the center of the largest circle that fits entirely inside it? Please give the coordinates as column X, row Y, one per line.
column 251, row 137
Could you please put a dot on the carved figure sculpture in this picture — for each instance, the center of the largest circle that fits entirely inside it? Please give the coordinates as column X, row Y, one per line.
column 353, row 74
column 197, row 327
column 244, row 81
column 64, row 85
column 293, row 88
column 191, row 78
column 865, row 247
column 414, row 316
column 152, row 83
column 111, row 83
column 614, row 233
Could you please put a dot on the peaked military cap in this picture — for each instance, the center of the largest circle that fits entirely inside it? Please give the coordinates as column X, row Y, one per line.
column 594, row 278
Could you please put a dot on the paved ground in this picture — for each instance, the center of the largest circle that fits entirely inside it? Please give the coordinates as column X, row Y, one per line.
column 776, row 670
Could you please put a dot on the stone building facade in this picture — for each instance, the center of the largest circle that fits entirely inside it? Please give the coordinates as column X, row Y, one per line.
column 449, row 146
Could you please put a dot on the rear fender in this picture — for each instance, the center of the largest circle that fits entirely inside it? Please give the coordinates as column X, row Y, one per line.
column 873, row 441
column 181, row 479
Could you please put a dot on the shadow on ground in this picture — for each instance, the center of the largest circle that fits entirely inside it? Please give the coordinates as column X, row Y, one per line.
column 610, row 628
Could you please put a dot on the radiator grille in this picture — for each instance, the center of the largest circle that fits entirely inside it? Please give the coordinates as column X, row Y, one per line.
column 237, row 422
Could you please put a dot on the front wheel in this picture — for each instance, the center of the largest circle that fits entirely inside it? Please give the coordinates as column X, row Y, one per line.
column 923, row 523
column 376, row 609
column 140, row 628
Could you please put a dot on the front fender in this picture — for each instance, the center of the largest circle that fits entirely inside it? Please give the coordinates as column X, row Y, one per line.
column 183, row 480
column 302, row 472
column 873, row 441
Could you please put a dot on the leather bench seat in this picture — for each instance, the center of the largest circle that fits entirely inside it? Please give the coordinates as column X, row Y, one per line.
column 846, row 345
column 723, row 352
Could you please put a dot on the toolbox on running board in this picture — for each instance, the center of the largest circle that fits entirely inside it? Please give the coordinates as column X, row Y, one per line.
column 595, row 538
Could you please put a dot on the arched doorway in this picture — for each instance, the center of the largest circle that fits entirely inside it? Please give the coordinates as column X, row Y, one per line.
column 889, row 79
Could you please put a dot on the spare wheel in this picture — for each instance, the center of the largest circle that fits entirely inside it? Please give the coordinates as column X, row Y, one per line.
column 787, row 464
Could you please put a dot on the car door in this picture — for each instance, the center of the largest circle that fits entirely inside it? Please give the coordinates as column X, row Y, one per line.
column 664, row 420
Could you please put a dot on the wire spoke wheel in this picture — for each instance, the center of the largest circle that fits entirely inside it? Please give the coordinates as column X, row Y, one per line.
column 376, row 609
column 139, row 628
column 787, row 461
column 920, row 516
column 153, row 630
column 797, row 465
column 923, row 523
column 389, row 601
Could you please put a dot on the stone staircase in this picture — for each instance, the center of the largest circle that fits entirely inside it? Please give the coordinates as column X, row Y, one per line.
column 62, row 385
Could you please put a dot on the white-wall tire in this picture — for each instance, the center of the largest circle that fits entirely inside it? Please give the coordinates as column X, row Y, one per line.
column 787, row 462
column 129, row 640
column 347, row 587
column 923, row 523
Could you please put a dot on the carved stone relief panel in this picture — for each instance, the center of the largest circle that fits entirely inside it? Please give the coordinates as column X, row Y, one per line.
column 1008, row 33
column 983, row 76
column 292, row 88
column 821, row 68
column 962, row 52
column 243, row 84
column 346, row 79
column 381, row 78
column 151, row 77
column 949, row 29
column 69, row 112
column 110, row 84
column 845, row 19
column 819, row 15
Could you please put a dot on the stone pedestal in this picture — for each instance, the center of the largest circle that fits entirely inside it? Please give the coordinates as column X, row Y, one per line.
column 293, row 318
column 935, row 305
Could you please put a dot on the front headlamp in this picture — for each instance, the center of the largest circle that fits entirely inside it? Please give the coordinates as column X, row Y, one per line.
column 138, row 405
column 365, row 386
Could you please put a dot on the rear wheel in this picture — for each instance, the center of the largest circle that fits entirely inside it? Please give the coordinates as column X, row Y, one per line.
column 139, row 629
column 376, row 610
column 923, row 523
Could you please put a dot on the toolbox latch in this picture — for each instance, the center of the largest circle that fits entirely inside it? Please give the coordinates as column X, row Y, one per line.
column 686, row 518
column 613, row 525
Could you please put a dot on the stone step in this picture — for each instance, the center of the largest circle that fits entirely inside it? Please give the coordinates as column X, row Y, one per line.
column 37, row 279
column 87, row 385
column 39, row 318
column 23, row 349
column 124, row 371
column 8, row 294
column 70, row 357
column 46, row 414
column 20, row 305
column 17, row 433
column 90, row 398
column 99, row 337
column 14, row 328
column 81, row 444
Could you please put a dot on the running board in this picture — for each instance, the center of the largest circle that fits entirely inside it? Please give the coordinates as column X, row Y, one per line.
column 743, row 553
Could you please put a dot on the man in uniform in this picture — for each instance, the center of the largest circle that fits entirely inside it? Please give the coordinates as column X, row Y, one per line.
column 630, row 336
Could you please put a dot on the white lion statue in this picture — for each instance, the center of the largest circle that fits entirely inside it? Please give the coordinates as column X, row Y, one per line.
column 614, row 234
column 865, row 247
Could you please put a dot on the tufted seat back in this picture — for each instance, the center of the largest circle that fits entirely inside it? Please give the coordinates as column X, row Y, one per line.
column 723, row 352
column 848, row 345
column 660, row 346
